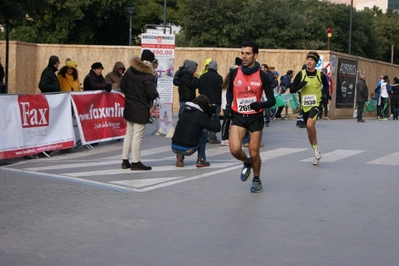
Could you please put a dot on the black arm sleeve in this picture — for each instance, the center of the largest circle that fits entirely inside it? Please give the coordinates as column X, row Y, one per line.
column 268, row 91
column 295, row 85
column 326, row 86
column 229, row 92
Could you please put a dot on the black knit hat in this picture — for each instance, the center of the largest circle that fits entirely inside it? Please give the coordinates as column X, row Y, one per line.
column 97, row 65
column 314, row 55
column 147, row 55
column 238, row 61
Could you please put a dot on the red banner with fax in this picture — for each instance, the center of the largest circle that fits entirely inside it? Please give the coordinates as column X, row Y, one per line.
column 99, row 115
column 32, row 124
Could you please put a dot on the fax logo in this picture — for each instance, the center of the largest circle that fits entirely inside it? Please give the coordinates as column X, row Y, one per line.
column 34, row 110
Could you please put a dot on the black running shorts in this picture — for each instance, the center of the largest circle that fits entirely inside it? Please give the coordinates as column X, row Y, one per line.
column 312, row 114
column 253, row 122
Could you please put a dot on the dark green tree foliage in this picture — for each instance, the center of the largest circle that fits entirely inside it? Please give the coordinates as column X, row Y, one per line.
column 86, row 21
column 282, row 24
column 210, row 23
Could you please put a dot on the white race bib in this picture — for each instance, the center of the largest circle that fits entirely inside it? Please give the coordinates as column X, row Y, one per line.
column 243, row 104
column 309, row 100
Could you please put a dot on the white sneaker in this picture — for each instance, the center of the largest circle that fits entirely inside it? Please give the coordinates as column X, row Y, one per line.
column 317, row 157
column 317, row 154
column 224, row 142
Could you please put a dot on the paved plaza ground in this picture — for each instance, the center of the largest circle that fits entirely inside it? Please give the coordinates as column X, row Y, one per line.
column 79, row 208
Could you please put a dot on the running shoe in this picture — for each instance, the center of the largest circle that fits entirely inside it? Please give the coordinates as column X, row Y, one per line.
column 317, row 157
column 246, row 171
column 224, row 142
column 256, row 186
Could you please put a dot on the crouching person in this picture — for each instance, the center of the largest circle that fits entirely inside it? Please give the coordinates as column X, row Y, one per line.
column 189, row 135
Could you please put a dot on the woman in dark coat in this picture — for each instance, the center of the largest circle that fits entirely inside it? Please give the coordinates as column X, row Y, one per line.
column 95, row 80
column 139, row 88
column 395, row 98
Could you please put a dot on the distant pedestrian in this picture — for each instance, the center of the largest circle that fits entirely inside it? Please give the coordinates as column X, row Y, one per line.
column 48, row 80
column 362, row 93
column 210, row 85
column 395, row 98
column 330, row 91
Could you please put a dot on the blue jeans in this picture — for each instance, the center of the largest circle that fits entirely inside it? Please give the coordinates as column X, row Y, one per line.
column 360, row 106
column 267, row 115
column 182, row 105
column 200, row 148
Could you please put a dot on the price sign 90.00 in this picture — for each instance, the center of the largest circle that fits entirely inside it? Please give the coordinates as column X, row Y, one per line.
column 162, row 52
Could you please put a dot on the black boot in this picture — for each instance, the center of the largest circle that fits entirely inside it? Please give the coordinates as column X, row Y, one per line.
column 139, row 166
column 125, row 164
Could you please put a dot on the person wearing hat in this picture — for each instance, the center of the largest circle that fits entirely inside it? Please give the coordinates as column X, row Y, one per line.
column 210, row 85
column 48, row 80
column 314, row 88
column 68, row 77
column 139, row 88
column 205, row 67
column 114, row 77
column 188, row 83
column 95, row 80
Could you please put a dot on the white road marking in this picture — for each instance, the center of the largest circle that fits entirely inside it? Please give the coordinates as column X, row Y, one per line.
column 391, row 159
column 267, row 155
column 140, row 183
column 335, row 155
column 154, row 169
column 144, row 153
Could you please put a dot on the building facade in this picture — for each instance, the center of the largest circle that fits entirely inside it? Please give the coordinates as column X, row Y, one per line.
column 361, row 4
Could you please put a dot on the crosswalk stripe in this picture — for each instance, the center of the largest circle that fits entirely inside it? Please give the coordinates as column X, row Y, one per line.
column 116, row 159
column 335, row 155
column 145, row 152
column 180, row 180
column 391, row 159
column 154, row 169
column 271, row 154
column 140, row 183
column 267, row 155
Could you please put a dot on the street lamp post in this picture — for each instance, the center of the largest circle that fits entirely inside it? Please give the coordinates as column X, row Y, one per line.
column 130, row 10
column 164, row 16
column 350, row 28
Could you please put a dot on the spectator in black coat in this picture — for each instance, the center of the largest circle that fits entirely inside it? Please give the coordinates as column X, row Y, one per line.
column 189, row 135
column 95, row 80
column 188, row 83
column 210, row 85
column 48, row 80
